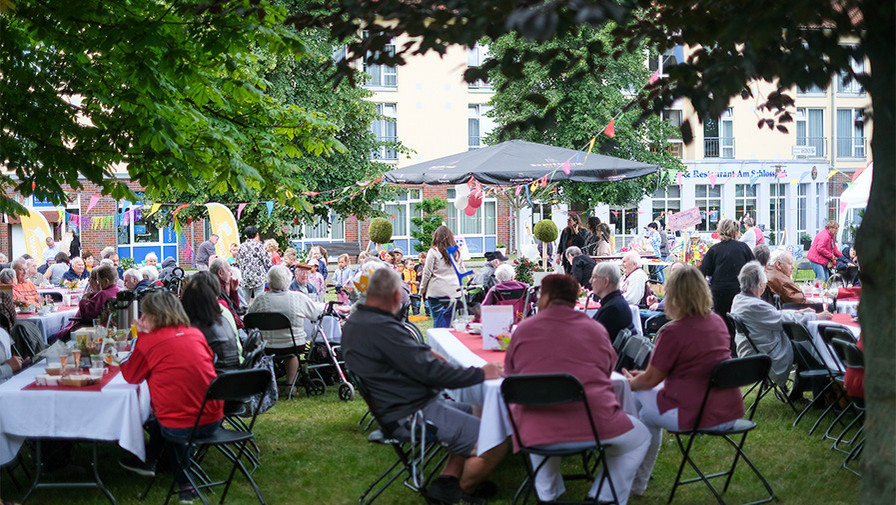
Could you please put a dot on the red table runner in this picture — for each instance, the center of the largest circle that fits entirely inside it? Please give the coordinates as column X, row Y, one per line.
column 32, row 314
column 844, row 319
column 108, row 376
column 473, row 342
column 591, row 305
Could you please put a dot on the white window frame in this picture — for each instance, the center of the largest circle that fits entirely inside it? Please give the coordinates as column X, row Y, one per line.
column 476, row 56
column 724, row 143
column 659, row 62
column 747, row 201
column 385, row 154
column 623, row 224
column 852, row 147
column 663, row 198
column 334, row 229
column 381, row 76
column 460, row 223
column 804, row 125
column 802, row 210
column 477, row 115
column 405, row 201
column 777, row 209
column 708, row 200
column 853, row 87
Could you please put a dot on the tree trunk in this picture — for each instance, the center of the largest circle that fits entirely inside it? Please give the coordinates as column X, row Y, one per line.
column 876, row 246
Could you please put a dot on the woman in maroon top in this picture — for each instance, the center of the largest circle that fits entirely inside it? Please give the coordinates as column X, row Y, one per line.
column 686, row 351
column 582, row 349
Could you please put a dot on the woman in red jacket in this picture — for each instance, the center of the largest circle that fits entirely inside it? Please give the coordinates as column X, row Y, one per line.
column 178, row 366
column 824, row 251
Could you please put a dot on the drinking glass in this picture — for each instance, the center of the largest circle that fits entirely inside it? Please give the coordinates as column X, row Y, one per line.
column 76, row 357
column 96, row 361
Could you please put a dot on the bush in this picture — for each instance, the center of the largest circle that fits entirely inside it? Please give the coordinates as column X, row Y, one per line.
column 546, row 230
column 427, row 224
column 524, row 269
column 380, row 230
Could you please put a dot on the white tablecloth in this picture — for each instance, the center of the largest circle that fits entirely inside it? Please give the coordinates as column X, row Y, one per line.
column 495, row 426
column 828, row 356
column 50, row 323
column 843, row 306
column 116, row 413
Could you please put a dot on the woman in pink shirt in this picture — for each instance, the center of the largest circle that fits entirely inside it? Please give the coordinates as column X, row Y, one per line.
column 582, row 349
column 687, row 349
column 823, row 253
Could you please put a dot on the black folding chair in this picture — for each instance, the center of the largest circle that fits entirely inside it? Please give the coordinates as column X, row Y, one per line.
column 731, row 373
column 635, row 353
column 767, row 385
column 620, row 340
column 273, row 321
column 416, row 460
column 840, row 402
column 653, row 325
column 545, row 391
column 853, row 359
column 809, row 368
column 231, row 386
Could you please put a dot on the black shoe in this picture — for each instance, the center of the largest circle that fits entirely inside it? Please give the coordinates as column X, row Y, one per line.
column 486, row 489
column 445, row 489
column 134, row 464
column 187, row 494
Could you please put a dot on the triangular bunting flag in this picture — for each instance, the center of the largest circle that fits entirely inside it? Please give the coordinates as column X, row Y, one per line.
column 610, row 130
column 566, row 168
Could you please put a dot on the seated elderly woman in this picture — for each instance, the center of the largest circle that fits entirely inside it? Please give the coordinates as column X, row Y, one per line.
column 101, row 287
column 498, row 294
column 589, row 356
column 765, row 322
column 687, row 349
column 297, row 306
column 23, row 290
column 7, row 307
column 582, row 266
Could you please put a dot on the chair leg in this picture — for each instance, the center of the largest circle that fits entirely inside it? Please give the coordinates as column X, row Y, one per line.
column 686, row 458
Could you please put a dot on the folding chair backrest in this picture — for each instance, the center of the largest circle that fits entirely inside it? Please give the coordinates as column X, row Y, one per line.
column 829, row 333
column 635, row 354
column 739, row 372
column 621, row 339
column 252, row 359
column 253, row 338
column 653, row 325
column 514, row 297
column 239, row 385
column 542, row 390
column 267, row 321
column 849, row 353
column 741, row 328
column 797, row 332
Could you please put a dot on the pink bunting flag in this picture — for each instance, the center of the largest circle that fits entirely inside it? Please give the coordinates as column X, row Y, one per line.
column 653, row 78
column 614, row 212
column 518, row 189
column 680, row 177
column 188, row 250
column 566, row 168
column 712, row 179
column 93, row 201
column 843, row 206
column 239, row 209
column 782, row 174
column 544, row 180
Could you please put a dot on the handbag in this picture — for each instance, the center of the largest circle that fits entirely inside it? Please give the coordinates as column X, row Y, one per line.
column 264, row 401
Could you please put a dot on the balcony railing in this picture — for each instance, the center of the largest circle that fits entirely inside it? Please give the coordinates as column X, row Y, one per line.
column 851, row 147
column 819, row 143
column 718, row 147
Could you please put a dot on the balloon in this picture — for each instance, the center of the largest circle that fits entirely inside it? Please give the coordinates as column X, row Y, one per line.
column 475, row 200
column 461, row 190
column 470, row 210
column 460, row 203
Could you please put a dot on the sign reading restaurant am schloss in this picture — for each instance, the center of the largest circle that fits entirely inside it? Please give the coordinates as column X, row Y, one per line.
column 726, row 174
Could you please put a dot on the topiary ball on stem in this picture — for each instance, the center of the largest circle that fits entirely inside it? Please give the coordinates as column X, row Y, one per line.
column 380, row 231
column 546, row 231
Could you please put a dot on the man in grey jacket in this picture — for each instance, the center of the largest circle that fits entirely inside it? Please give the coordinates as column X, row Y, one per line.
column 404, row 377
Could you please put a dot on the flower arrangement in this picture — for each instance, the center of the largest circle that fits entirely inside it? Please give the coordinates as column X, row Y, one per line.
column 69, row 284
column 524, row 269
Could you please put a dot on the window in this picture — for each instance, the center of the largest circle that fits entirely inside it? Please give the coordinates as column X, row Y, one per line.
column 718, row 137
column 802, row 224
column 673, row 116
column 385, row 130
column 745, row 200
column 479, row 125
column 810, row 131
column 675, row 148
column 660, row 62
column 777, row 207
column 480, row 229
column 847, row 84
column 333, row 229
column 399, row 212
column 813, row 89
column 850, row 133
column 666, row 199
column 709, row 201
column 381, row 76
column 476, row 56
column 624, row 223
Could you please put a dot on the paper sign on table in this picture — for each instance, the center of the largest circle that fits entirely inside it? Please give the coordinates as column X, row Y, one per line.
column 496, row 319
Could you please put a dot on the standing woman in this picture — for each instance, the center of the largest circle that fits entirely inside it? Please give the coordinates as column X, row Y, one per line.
column 440, row 285
column 604, row 244
column 592, row 243
column 823, row 253
column 572, row 235
column 722, row 265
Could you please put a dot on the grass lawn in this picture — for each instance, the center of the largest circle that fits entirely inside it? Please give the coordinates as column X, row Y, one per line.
column 314, row 452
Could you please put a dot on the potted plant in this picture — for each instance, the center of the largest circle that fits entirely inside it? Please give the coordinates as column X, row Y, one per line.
column 502, row 249
column 545, row 231
column 806, row 241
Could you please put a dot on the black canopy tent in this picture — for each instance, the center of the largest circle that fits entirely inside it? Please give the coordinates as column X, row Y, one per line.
column 519, row 162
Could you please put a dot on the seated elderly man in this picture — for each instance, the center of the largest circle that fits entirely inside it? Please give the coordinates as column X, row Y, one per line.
column 779, row 273
column 765, row 322
column 614, row 312
column 301, row 284
column 134, row 281
column 77, row 270
column 582, row 266
column 31, row 272
column 297, row 307
column 589, row 356
column 405, row 377
column 634, row 279
column 486, row 275
column 23, row 290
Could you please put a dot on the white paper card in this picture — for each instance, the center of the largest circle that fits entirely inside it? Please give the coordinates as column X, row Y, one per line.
column 496, row 319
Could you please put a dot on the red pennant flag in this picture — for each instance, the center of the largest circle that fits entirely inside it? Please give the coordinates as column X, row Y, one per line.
column 310, row 193
column 179, row 207
column 544, row 180
column 610, row 130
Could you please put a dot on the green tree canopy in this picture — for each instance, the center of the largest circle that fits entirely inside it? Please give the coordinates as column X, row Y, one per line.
column 172, row 90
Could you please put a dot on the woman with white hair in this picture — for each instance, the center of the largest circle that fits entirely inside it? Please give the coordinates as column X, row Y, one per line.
column 765, row 323
column 296, row 306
